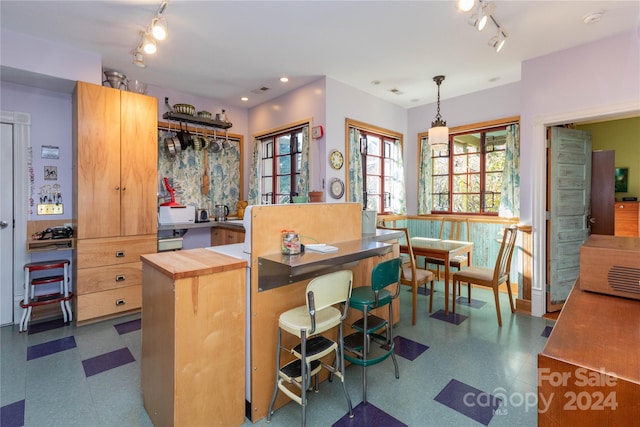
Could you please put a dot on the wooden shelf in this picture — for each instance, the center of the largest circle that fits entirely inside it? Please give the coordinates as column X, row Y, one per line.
column 48, row 244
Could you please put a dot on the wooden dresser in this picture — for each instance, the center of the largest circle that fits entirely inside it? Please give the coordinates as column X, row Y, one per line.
column 589, row 371
column 627, row 220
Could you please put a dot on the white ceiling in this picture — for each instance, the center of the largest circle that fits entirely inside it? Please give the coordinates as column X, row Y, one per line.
column 228, row 49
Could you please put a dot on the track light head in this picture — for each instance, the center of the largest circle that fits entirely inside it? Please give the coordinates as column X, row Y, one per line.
column 149, row 44
column 465, row 5
column 159, row 28
column 497, row 41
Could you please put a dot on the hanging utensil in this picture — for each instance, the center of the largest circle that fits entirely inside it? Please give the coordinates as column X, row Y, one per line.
column 205, row 176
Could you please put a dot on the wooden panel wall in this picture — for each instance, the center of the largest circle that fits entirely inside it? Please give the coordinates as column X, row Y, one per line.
column 326, row 223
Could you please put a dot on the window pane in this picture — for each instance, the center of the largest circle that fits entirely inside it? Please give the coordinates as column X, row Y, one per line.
column 373, row 145
column 495, row 161
column 373, row 184
column 441, row 202
column 466, row 203
column 373, row 203
column 267, row 167
column 440, row 166
column 493, row 182
column 491, row 201
column 469, row 143
column 440, row 184
column 284, row 184
column 284, row 144
column 267, row 185
column 284, row 165
column 373, row 165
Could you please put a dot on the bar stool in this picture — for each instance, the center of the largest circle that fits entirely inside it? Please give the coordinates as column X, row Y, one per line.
column 31, row 299
column 365, row 299
column 307, row 322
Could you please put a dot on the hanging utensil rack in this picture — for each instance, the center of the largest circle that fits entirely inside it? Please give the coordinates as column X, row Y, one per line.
column 200, row 121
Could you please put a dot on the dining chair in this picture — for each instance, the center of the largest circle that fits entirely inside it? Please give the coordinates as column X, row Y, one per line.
column 491, row 277
column 411, row 275
column 456, row 227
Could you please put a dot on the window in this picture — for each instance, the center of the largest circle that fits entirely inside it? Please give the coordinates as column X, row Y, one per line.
column 468, row 179
column 281, row 165
column 376, row 169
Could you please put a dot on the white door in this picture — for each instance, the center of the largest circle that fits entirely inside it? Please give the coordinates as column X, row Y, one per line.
column 6, row 225
column 570, row 183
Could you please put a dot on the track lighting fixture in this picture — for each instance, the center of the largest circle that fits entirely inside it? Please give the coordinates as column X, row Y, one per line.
column 483, row 14
column 439, row 132
column 158, row 30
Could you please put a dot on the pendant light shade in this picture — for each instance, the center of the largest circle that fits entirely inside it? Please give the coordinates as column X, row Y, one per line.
column 439, row 132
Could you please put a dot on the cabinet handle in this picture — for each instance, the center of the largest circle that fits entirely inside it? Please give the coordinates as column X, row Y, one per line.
column 120, row 278
column 121, row 301
column 621, row 206
column 119, row 254
column 118, row 188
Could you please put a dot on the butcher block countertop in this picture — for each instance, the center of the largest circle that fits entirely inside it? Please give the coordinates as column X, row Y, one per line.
column 192, row 262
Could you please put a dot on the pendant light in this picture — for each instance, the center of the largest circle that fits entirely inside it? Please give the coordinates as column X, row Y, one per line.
column 439, row 132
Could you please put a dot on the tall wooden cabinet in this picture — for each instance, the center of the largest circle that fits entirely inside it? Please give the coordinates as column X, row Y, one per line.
column 627, row 221
column 115, row 180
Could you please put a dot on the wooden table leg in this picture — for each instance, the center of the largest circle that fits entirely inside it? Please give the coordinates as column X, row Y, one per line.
column 414, row 303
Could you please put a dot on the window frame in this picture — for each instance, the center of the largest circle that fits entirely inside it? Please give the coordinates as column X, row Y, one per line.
column 483, row 128
column 383, row 135
column 295, row 153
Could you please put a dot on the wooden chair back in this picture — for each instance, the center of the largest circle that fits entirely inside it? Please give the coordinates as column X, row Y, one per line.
column 455, row 229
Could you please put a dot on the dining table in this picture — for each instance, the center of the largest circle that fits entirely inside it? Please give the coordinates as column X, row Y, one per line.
column 440, row 249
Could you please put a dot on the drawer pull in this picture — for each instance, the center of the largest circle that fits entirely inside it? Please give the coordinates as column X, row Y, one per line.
column 121, row 301
column 119, row 254
column 120, row 278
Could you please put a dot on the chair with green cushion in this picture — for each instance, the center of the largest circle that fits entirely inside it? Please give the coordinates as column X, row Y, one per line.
column 369, row 327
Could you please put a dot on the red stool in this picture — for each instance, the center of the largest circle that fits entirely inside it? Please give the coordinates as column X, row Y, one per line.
column 31, row 299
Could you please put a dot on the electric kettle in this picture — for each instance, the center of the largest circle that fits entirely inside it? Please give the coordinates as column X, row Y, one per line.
column 220, row 212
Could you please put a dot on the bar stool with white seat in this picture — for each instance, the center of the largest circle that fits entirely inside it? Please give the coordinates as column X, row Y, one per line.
column 307, row 322
column 33, row 299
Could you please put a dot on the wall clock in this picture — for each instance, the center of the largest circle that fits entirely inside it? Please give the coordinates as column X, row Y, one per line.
column 336, row 159
column 336, row 188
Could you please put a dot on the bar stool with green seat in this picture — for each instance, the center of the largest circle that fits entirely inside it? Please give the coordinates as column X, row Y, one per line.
column 365, row 299
column 307, row 322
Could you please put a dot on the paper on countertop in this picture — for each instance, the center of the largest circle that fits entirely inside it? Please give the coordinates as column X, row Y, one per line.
column 320, row 247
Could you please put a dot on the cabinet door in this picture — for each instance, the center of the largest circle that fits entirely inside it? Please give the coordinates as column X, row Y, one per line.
column 98, row 161
column 139, row 164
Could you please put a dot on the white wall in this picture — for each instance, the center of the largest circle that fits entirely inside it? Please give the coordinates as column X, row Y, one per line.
column 307, row 102
column 345, row 102
column 41, row 56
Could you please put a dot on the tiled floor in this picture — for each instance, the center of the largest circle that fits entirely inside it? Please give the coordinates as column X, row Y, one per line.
column 466, row 373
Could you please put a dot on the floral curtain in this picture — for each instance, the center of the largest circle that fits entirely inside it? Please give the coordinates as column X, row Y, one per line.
column 356, row 186
column 185, row 172
column 255, row 173
column 398, row 200
column 425, row 202
column 510, row 197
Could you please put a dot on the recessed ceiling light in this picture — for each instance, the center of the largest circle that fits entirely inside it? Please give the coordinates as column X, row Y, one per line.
column 593, row 17
column 244, row 98
column 284, row 79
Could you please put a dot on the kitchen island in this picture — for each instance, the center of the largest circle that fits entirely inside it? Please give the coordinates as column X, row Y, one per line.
column 193, row 338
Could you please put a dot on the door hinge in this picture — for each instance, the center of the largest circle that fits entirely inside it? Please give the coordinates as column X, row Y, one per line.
column 547, row 215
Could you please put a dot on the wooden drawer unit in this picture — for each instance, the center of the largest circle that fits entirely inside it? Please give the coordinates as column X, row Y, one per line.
column 107, row 303
column 626, row 219
column 109, row 277
column 116, row 250
column 226, row 236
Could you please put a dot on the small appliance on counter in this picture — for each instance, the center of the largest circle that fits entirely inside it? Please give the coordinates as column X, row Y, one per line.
column 202, row 215
column 176, row 215
column 221, row 212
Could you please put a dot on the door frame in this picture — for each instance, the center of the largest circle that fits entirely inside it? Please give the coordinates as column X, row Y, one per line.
column 539, row 186
column 21, row 146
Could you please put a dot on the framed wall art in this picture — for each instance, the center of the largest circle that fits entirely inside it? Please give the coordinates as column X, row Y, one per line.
column 622, row 180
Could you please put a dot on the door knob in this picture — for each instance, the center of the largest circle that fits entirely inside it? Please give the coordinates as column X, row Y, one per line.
column 3, row 224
